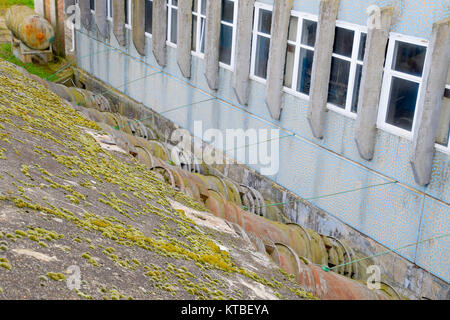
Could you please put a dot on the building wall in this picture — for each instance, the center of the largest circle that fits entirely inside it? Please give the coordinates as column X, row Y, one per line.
column 394, row 215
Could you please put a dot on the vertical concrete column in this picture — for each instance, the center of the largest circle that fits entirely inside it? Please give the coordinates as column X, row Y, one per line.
column 212, row 42
column 277, row 56
column 138, row 25
column 119, row 21
column 243, row 50
column 184, row 34
column 39, row 7
column 85, row 12
column 159, row 31
column 101, row 17
column 430, row 102
column 371, row 83
column 322, row 66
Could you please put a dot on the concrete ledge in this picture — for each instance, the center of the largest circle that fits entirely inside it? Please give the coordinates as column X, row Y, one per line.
column 212, row 43
column 321, row 68
column 100, row 18
column 159, row 31
column 184, row 37
column 138, row 26
column 243, row 50
column 430, row 102
column 277, row 56
column 119, row 21
column 371, row 83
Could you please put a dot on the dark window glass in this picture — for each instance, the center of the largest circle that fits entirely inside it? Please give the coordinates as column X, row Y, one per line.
column 304, row 70
column 227, row 10
column 265, row 21
column 126, row 11
column 173, row 27
column 309, row 33
column 343, row 42
column 194, row 33
column 355, row 97
column 409, row 58
column 262, row 56
column 402, row 103
column 362, row 47
column 203, row 11
column 203, row 35
column 337, row 91
column 92, row 4
column 148, row 16
column 226, row 41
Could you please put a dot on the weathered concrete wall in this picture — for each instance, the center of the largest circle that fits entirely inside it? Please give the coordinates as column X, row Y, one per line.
column 184, row 37
column 212, row 43
column 159, row 31
column 119, row 21
column 393, row 215
column 406, row 278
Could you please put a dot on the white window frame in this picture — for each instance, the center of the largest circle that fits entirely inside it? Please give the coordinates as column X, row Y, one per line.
column 170, row 7
column 387, row 81
column 198, row 37
column 358, row 31
column 298, row 46
column 440, row 147
column 233, row 38
column 255, row 33
column 130, row 15
column 148, row 35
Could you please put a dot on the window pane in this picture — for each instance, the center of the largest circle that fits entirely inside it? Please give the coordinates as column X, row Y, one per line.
column 195, row 6
column 355, row 97
column 337, row 91
column 262, row 56
column 92, row 4
column 309, row 33
column 203, row 7
column 126, row 11
column 362, row 47
column 194, row 33
column 343, row 42
column 173, row 27
column 175, row 3
column 409, row 58
column 402, row 103
column 202, row 35
column 304, row 70
column 289, row 67
column 293, row 25
column 148, row 16
column 265, row 21
column 110, row 9
column 227, row 10
column 226, row 40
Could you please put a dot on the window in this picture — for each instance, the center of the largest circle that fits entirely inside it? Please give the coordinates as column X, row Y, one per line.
column 346, row 68
column 261, row 40
column 227, row 31
column 109, row 9
column 148, row 16
column 300, row 52
column 401, row 84
column 127, row 8
column 198, row 26
column 172, row 21
column 92, row 4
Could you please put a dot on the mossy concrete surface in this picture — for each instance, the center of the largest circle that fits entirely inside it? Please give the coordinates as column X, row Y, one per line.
column 69, row 205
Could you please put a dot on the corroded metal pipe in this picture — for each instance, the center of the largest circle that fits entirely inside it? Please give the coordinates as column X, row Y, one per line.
column 26, row 25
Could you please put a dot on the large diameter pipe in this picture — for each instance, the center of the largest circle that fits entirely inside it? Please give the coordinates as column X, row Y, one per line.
column 26, row 25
